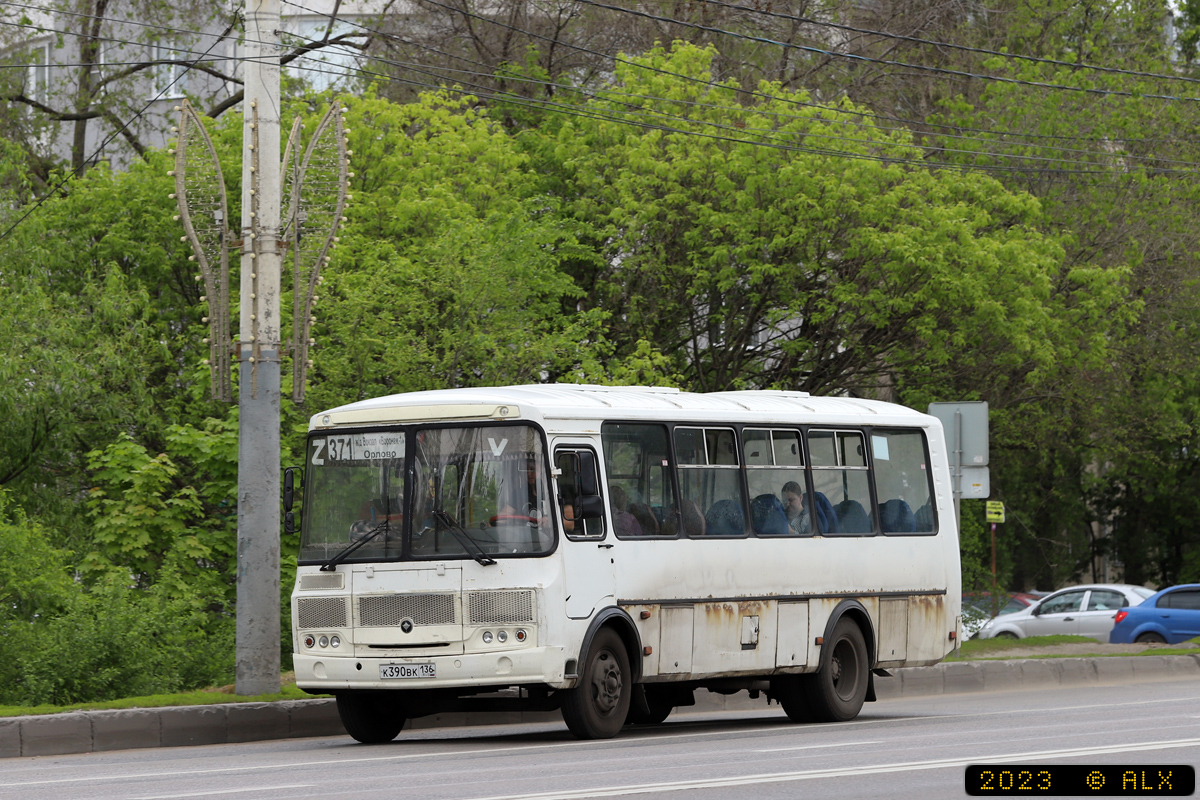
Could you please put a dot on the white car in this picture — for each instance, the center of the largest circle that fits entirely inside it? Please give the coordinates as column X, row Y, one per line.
column 1075, row 611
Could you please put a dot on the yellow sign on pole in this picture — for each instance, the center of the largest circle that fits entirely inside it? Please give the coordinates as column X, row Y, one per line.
column 995, row 511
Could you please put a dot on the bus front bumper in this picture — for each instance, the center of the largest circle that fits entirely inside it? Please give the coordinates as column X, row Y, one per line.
column 506, row 668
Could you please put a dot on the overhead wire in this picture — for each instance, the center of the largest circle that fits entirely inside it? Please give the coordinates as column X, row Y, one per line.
column 542, row 104
column 1107, row 153
column 572, row 110
column 914, row 123
column 869, row 59
column 119, row 130
column 748, row 92
column 613, row 92
column 952, row 46
column 616, row 95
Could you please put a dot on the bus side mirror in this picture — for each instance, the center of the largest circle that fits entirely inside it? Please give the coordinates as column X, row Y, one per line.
column 289, row 491
column 587, row 474
column 589, row 506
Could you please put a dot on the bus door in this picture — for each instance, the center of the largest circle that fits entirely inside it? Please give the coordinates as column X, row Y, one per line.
column 587, row 552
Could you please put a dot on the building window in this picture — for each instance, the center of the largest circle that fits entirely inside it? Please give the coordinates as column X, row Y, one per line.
column 39, row 74
column 170, row 79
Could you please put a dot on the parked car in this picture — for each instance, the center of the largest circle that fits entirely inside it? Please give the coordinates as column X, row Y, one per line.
column 1076, row 610
column 1171, row 616
column 977, row 607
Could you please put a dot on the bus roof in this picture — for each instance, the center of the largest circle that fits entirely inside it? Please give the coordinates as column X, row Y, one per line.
column 580, row 402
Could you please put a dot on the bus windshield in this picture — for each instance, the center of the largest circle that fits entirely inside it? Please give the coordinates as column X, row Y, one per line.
column 475, row 491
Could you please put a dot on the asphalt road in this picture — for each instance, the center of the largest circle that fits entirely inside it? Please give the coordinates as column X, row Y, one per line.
column 902, row 748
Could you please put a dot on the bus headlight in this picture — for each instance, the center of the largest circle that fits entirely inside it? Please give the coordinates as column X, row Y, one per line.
column 310, row 640
column 502, row 636
column 521, row 635
column 334, row 641
column 487, row 637
column 324, row 641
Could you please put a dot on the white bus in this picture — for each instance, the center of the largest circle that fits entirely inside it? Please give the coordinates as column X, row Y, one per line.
column 608, row 551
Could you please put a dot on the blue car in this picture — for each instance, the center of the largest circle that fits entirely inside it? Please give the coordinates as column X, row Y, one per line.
column 1170, row 616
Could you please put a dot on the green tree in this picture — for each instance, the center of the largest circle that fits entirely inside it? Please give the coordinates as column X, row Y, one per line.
column 736, row 243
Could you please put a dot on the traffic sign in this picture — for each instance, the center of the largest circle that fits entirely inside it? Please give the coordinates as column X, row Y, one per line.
column 966, row 427
column 995, row 511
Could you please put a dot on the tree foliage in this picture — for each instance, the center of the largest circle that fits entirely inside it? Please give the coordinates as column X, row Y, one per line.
column 709, row 214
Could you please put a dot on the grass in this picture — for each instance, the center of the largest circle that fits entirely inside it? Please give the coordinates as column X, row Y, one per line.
column 975, row 649
column 200, row 697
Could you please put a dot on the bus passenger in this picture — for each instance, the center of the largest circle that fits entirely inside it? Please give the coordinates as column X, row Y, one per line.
column 796, row 508
column 624, row 523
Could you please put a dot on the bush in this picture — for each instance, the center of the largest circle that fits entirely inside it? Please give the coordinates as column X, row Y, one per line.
column 115, row 641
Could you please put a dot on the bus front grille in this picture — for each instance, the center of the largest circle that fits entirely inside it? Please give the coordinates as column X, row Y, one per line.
column 500, row 607
column 321, row 612
column 324, row 580
column 391, row 609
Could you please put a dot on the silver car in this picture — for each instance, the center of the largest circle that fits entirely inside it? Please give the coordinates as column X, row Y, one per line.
column 1075, row 611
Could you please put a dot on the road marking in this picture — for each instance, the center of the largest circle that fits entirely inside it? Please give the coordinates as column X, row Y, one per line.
column 784, row 777
column 813, row 747
column 225, row 791
column 648, row 737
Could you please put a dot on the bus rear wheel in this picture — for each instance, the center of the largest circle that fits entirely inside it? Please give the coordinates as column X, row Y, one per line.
column 837, row 691
column 370, row 717
column 599, row 704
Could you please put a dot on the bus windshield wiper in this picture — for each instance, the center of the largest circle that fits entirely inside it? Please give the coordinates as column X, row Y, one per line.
column 332, row 563
column 464, row 538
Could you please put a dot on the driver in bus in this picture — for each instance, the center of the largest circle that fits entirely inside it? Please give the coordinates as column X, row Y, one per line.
column 527, row 507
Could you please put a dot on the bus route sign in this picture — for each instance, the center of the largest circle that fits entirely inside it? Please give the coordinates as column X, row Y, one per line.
column 995, row 511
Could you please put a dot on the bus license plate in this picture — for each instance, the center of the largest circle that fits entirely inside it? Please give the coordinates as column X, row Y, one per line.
column 387, row 671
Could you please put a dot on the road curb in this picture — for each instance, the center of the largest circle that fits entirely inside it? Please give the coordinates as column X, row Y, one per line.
column 125, row 729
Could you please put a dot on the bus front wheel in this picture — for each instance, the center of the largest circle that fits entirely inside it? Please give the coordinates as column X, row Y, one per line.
column 370, row 717
column 837, row 690
column 599, row 704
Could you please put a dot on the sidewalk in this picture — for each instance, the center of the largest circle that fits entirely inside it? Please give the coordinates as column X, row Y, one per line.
column 95, row 731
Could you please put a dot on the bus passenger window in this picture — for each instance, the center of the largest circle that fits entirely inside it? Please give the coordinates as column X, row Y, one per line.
column 640, row 490
column 902, row 481
column 841, row 482
column 775, row 475
column 709, row 479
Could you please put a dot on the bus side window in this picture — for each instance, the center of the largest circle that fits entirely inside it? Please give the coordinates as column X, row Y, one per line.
column 569, row 486
column 902, row 481
column 640, row 491
column 841, row 482
column 710, row 480
column 779, row 502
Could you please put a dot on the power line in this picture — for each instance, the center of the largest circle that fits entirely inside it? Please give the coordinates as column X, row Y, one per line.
column 774, row 144
column 123, row 127
column 966, row 48
column 1105, row 154
column 748, row 92
column 609, row 94
column 573, row 110
column 374, row 32
column 886, row 62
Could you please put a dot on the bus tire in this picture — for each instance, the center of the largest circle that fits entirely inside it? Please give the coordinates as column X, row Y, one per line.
column 837, row 691
column 599, row 704
column 792, row 693
column 370, row 717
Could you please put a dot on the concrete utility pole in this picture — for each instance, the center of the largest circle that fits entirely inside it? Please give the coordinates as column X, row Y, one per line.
column 259, row 355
